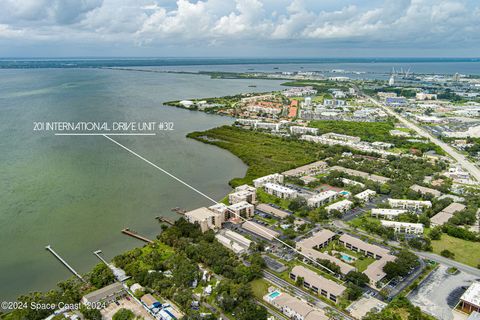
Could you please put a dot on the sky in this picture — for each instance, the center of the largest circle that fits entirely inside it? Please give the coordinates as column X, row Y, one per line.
column 240, row 28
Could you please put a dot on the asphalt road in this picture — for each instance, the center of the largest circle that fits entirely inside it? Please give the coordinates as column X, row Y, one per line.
column 449, row 263
column 464, row 162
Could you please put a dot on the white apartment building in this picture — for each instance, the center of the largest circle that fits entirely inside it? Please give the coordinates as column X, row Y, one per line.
column 273, row 178
column 334, row 102
column 234, row 241
column 303, row 130
column 341, row 137
column 350, row 182
column 243, row 193
column 247, row 122
column 322, row 198
column 268, row 126
column 222, row 209
column 259, row 97
column 413, row 205
column 242, row 209
column 341, row 206
column 228, row 243
column 280, row 191
column 403, row 227
column 299, row 91
column 366, row 195
column 263, row 109
column 389, row 214
column 294, row 308
column 206, row 218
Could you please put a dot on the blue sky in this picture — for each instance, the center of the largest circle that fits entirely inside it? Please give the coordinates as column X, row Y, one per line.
column 250, row 28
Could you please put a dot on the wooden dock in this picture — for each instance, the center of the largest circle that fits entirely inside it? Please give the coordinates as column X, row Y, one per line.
column 179, row 210
column 136, row 235
column 165, row 220
column 49, row 248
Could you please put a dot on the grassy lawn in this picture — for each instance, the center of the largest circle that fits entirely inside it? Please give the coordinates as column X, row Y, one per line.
column 465, row 251
column 264, row 197
column 147, row 256
column 263, row 153
column 368, row 131
column 361, row 263
column 260, row 288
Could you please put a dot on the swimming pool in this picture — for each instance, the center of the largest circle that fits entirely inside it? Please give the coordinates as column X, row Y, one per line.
column 347, row 258
column 274, row 294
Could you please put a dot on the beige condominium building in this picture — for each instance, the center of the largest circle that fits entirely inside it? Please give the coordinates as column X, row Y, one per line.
column 443, row 216
column 374, row 271
column 318, row 284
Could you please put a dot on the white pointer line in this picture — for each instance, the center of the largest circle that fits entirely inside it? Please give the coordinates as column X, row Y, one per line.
column 104, row 134
column 212, row 200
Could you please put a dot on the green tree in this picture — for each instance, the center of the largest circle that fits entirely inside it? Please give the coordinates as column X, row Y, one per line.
column 435, row 234
column 90, row 313
column 101, row 276
column 358, row 278
column 297, row 204
column 447, row 254
column 123, row 314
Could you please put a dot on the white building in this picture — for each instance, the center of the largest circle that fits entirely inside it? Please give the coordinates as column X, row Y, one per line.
column 308, row 101
column 470, row 300
column 413, row 205
column 308, row 169
column 322, row 198
column 260, row 230
column 317, row 283
column 299, row 91
column 424, row 190
column 273, row 126
column 293, row 307
column 341, row 206
column 243, row 193
column 350, row 182
column 242, row 209
column 247, row 122
column 206, row 218
column 303, row 130
column 366, row 195
column 387, row 213
column 263, row 109
column 443, row 216
column 341, row 137
column 280, row 191
column 230, row 244
column 403, row 227
column 273, row 178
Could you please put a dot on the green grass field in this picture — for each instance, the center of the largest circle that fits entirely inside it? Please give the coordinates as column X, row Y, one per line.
column 466, row 252
column 259, row 288
column 263, row 153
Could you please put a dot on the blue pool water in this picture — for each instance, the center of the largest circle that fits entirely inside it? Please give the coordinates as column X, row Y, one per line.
column 274, row 294
column 347, row 258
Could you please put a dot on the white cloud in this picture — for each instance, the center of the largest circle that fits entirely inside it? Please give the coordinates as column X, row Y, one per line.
column 215, row 22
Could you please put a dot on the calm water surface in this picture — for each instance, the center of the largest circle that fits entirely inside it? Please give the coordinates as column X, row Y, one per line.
column 77, row 193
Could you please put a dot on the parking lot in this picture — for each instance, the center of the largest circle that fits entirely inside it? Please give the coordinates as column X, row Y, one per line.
column 440, row 292
column 131, row 305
